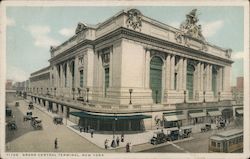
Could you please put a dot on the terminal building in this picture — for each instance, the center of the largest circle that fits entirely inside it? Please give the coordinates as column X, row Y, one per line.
column 132, row 73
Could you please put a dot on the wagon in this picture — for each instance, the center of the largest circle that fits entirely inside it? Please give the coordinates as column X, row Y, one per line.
column 36, row 123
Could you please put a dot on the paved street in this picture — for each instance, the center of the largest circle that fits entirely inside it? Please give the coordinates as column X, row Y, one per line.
column 26, row 139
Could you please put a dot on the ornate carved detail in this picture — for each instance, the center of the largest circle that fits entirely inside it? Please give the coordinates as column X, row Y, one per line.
column 134, row 19
column 189, row 28
column 228, row 53
column 80, row 27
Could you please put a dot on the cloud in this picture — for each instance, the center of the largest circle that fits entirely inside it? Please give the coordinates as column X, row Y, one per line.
column 10, row 21
column 67, row 31
column 17, row 74
column 238, row 55
column 209, row 29
column 41, row 36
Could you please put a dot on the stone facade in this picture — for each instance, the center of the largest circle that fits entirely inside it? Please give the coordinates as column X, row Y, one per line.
column 132, row 63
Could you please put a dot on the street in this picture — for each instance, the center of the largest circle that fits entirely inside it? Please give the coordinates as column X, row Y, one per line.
column 26, row 139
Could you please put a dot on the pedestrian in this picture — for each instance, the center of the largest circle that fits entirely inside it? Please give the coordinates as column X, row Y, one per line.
column 92, row 132
column 127, row 147
column 130, row 147
column 87, row 129
column 56, row 143
column 106, row 144
column 122, row 137
column 117, row 141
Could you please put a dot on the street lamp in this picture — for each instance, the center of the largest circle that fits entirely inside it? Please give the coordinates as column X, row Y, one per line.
column 113, row 144
column 130, row 93
column 204, row 98
column 185, row 92
column 87, row 95
column 73, row 91
column 156, row 93
column 55, row 91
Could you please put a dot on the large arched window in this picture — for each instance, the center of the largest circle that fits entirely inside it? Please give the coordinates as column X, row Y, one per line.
column 214, row 80
column 190, row 81
column 156, row 64
column 73, row 73
column 65, row 75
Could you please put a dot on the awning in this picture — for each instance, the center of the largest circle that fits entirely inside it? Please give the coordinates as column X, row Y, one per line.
column 214, row 113
column 196, row 115
column 239, row 111
column 109, row 117
column 174, row 117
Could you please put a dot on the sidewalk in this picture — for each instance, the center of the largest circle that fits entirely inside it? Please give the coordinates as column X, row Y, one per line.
column 139, row 141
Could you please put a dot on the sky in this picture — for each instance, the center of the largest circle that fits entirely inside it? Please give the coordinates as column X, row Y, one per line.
column 32, row 30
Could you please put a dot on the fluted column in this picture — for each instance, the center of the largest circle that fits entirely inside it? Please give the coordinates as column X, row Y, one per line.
column 68, row 77
column 184, row 73
column 172, row 73
column 198, row 76
column 201, row 76
column 210, row 77
column 147, row 68
column 180, row 76
column 111, row 67
column 76, row 85
column 168, row 70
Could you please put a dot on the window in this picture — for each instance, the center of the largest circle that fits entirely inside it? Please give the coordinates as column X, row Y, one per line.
column 106, row 80
column 81, row 78
column 213, row 144
column 175, row 81
column 65, row 75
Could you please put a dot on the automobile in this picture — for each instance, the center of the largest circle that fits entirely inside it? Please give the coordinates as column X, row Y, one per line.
column 31, row 106
column 28, row 116
column 158, row 138
column 207, row 127
column 173, row 133
column 36, row 123
column 58, row 120
column 17, row 104
column 185, row 132
column 8, row 112
column 12, row 125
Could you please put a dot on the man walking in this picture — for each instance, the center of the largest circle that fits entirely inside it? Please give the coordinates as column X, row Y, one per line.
column 55, row 143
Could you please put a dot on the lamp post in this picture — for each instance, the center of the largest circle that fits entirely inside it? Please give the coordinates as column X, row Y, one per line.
column 156, row 94
column 87, row 95
column 113, row 144
column 185, row 92
column 73, row 91
column 130, row 93
column 204, row 98
column 55, row 91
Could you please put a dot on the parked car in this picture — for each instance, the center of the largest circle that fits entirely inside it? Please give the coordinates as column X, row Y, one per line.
column 173, row 133
column 158, row 138
column 185, row 132
column 8, row 112
column 207, row 127
column 12, row 125
column 58, row 120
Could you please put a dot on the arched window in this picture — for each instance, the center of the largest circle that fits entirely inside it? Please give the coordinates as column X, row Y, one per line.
column 65, row 75
column 156, row 64
column 190, row 81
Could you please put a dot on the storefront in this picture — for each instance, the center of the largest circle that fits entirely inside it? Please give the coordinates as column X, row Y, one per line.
column 111, row 122
column 173, row 119
column 213, row 115
column 196, row 116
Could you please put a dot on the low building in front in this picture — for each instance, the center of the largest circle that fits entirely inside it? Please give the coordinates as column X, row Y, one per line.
column 132, row 73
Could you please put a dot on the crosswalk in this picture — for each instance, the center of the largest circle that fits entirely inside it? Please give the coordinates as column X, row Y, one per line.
column 178, row 147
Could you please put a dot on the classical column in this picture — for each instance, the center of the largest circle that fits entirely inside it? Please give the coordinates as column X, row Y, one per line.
column 198, row 76
column 184, row 73
column 201, row 76
column 207, row 78
column 210, row 77
column 172, row 73
column 62, row 75
column 76, row 83
column 147, row 68
column 111, row 67
column 167, row 74
column 69, row 76
column 180, row 72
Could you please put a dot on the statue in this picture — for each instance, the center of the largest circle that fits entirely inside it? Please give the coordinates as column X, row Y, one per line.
column 189, row 28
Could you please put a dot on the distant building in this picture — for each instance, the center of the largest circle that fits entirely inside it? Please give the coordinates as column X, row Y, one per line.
column 138, row 73
column 240, row 83
column 8, row 85
column 238, row 90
